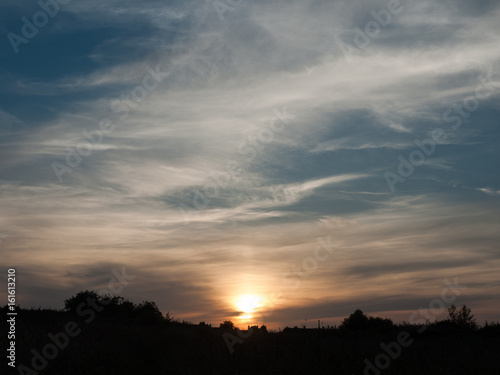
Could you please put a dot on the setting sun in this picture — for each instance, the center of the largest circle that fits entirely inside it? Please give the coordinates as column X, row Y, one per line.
column 247, row 304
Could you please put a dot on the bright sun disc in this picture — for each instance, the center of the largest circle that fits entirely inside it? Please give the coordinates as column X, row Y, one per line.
column 248, row 303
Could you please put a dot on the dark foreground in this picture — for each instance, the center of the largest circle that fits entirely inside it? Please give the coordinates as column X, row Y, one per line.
column 54, row 342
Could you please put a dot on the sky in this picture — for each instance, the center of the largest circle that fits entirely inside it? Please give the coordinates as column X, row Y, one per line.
column 267, row 162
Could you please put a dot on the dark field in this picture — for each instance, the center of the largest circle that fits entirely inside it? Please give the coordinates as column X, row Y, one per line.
column 151, row 344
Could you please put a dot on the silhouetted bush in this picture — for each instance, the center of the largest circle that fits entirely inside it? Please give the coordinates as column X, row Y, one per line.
column 116, row 306
column 358, row 321
column 80, row 300
column 491, row 329
column 148, row 312
column 227, row 325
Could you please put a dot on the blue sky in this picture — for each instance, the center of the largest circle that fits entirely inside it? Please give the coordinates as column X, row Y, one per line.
column 206, row 146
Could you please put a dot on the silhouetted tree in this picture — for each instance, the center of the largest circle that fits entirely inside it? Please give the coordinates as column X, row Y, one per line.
column 168, row 318
column 71, row 304
column 491, row 329
column 127, row 309
column 148, row 312
column 357, row 321
column 227, row 325
column 116, row 306
column 462, row 317
column 377, row 322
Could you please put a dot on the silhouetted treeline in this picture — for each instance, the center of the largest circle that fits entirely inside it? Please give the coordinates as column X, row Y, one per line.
column 114, row 306
column 97, row 334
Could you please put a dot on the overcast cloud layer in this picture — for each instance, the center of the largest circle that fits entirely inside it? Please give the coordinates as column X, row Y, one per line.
column 206, row 148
